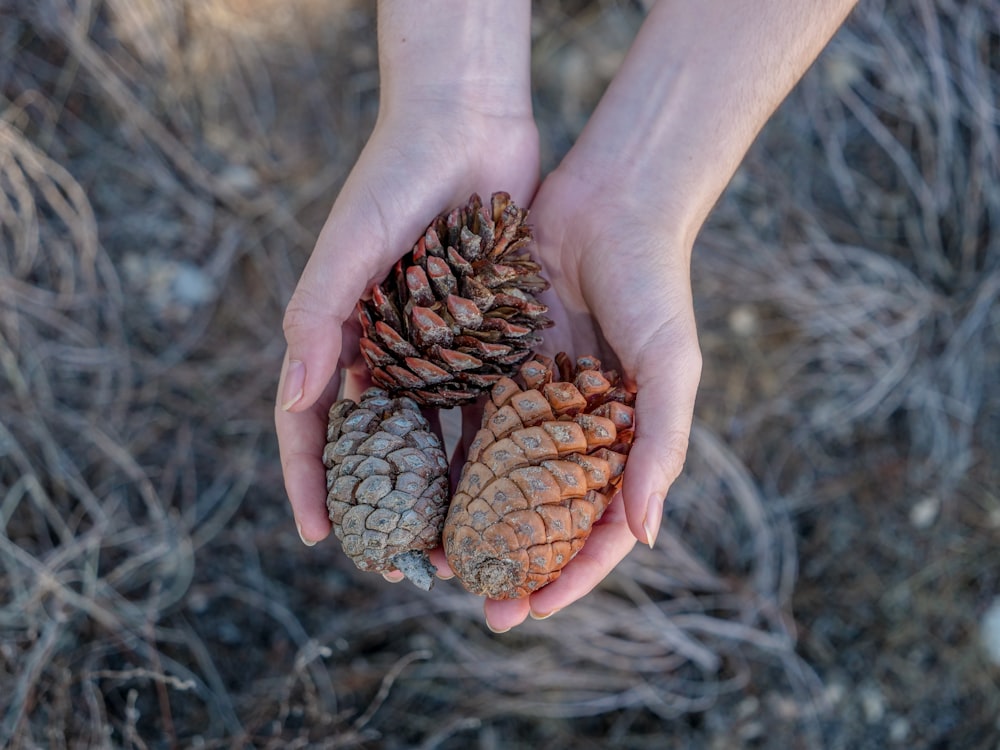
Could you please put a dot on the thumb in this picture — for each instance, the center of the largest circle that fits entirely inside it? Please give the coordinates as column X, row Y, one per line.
column 667, row 384
column 355, row 248
column 313, row 327
column 314, row 341
column 370, row 226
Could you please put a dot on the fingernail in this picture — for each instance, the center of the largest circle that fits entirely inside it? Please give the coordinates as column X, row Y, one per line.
column 495, row 630
column 445, row 576
column 536, row 616
column 304, row 540
column 651, row 523
column 295, row 379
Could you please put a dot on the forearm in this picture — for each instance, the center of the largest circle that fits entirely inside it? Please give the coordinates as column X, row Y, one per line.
column 699, row 82
column 457, row 55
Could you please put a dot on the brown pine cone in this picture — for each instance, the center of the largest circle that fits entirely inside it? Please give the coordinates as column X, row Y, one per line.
column 459, row 310
column 540, row 472
column 387, row 484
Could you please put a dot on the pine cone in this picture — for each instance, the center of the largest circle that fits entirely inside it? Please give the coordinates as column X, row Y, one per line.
column 387, row 484
column 540, row 472
column 459, row 310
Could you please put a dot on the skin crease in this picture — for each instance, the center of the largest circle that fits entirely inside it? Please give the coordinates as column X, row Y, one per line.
column 698, row 83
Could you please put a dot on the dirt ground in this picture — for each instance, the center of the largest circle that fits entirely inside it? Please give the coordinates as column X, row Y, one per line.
column 828, row 570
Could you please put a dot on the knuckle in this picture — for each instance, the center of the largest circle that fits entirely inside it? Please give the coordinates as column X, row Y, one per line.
column 693, row 354
column 674, row 454
column 294, row 320
column 302, row 313
column 687, row 352
column 676, row 334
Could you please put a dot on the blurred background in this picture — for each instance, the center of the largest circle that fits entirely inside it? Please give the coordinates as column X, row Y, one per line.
column 828, row 570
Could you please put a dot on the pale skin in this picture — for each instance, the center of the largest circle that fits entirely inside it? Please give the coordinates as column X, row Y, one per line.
column 615, row 223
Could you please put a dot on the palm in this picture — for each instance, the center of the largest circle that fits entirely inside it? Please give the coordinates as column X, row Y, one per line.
column 619, row 291
column 415, row 173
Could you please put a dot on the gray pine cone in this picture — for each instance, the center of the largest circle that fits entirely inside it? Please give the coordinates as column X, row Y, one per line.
column 387, row 484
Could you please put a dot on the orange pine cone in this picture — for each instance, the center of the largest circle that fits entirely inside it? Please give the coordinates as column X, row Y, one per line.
column 540, row 472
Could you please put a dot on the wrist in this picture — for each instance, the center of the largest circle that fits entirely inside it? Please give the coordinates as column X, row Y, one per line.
column 452, row 57
column 699, row 82
column 630, row 198
column 593, row 227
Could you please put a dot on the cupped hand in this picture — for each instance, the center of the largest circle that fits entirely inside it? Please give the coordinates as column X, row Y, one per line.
column 621, row 290
column 416, row 165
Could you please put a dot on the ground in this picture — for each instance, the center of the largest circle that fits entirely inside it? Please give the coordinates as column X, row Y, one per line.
column 827, row 563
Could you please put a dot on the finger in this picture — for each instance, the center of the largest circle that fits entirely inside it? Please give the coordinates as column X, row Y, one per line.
column 504, row 614
column 667, row 385
column 301, row 439
column 321, row 304
column 439, row 561
column 367, row 230
column 608, row 544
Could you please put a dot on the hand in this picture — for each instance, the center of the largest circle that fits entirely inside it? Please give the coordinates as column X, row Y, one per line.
column 616, row 222
column 454, row 119
column 621, row 290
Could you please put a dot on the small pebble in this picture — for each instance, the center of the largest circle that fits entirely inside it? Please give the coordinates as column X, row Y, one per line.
column 743, row 321
column 872, row 703
column 924, row 512
column 993, row 518
column 833, row 694
column 989, row 631
column 239, row 177
column 899, row 730
column 747, row 707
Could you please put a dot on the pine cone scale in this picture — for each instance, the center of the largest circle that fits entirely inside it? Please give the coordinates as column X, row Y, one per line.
column 458, row 361
column 464, row 312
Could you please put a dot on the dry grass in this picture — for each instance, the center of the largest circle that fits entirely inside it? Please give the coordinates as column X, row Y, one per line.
column 164, row 167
